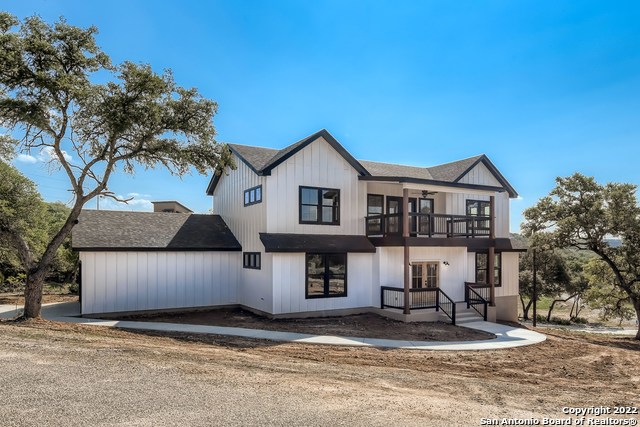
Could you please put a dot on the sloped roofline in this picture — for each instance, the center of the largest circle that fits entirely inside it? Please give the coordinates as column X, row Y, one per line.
column 289, row 151
column 494, row 170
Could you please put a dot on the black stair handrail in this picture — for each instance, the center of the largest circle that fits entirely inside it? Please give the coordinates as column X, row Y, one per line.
column 475, row 300
column 422, row 298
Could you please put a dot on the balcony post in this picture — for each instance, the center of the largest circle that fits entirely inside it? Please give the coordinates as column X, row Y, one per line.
column 405, row 235
column 492, row 254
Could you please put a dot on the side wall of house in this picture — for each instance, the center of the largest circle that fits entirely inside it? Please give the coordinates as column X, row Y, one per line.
column 136, row 281
column 510, row 273
column 289, row 285
column 317, row 165
column 246, row 222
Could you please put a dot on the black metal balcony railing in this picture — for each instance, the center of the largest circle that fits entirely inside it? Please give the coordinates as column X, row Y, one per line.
column 429, row 225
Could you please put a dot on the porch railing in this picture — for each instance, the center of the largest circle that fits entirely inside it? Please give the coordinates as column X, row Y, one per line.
column 477, row 296
column 419, row 298
column 429, row 225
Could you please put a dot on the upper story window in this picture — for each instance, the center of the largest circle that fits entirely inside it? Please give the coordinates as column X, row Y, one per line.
column 253, row 195
column 478, row 208
column 319, row 206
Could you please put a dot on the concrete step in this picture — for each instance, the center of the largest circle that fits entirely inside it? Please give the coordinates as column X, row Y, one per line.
column 467, row 316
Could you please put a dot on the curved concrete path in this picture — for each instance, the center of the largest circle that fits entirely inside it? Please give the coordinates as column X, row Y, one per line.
column 506, row 336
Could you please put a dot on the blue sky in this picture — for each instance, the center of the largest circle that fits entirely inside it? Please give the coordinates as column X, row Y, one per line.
column 544, row 88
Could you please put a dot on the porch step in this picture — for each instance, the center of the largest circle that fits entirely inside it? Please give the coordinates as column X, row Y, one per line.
column 467, row 316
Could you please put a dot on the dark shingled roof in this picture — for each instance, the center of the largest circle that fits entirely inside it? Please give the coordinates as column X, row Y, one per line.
column 453, row 171
column 262, row 160
column 256, row 157
column 120, row 230
column 321, row 243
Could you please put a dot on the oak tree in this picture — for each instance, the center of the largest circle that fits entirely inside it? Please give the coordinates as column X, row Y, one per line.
column 59, row 92
column 582, row 214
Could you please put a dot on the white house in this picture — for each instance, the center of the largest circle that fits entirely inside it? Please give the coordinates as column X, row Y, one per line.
column 309, row 230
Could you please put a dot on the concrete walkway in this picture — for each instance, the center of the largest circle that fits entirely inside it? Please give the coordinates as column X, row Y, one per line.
column 506, row 336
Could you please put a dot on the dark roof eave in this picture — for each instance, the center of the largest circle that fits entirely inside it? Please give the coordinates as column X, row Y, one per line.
column 410, row 180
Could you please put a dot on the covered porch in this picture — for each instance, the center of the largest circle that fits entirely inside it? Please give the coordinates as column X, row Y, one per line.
column 412, row 224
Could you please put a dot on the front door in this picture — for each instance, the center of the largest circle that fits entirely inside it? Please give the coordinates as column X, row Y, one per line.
column 425, row 274
column 394, row 210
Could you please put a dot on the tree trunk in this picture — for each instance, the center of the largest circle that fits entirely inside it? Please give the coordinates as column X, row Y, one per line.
column 33, row 294
column 525, row 308
column 35, row 279
column 636, row 306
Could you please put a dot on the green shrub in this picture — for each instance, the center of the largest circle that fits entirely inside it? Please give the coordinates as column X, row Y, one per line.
column 74, row 288
column 580, row 320
column 15, row 283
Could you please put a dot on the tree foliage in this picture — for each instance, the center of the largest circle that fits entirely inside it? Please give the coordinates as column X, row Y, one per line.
column 552, row 277
column 582, row 214
column 24, row 213
column 50, row 98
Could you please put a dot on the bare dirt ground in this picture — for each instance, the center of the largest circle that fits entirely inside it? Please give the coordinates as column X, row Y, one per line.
column 61, row 374
column 360, row 325
column 18, row 298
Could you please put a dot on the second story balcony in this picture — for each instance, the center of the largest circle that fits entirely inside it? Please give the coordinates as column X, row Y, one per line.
column 429, row 225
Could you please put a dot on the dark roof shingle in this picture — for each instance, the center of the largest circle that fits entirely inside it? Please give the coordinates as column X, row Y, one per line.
column 121, row 230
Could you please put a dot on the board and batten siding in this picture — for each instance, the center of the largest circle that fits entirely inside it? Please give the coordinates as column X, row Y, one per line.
column 289, row 283
column 452, row 276
column 135, row 281
column 246, row 223
column 510, row 273
column 481, row 175
column 316, row 165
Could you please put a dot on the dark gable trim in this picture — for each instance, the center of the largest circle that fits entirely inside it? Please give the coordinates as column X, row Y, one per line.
column 217, row 174
column 228, row 249
column 308, row 140
column 492, row 168
column 431, row 182
column 272, row 164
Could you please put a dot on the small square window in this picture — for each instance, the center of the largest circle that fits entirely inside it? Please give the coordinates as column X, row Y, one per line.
column 252, row 260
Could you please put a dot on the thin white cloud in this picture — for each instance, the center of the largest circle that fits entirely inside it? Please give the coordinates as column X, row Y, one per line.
column 519, row 198
column 48, row 154
column 26, row 158
column 138, row 195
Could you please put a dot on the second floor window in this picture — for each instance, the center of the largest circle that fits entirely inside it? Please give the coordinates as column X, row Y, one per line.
column 319, row 206
column 253, row 195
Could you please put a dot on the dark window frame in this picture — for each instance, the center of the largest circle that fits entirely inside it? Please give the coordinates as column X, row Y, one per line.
column 480, row 204
column 252, row 260
column 254, row 191
column 327, row 278
column 498, row 261
column 381, row 196
column 318, row 206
